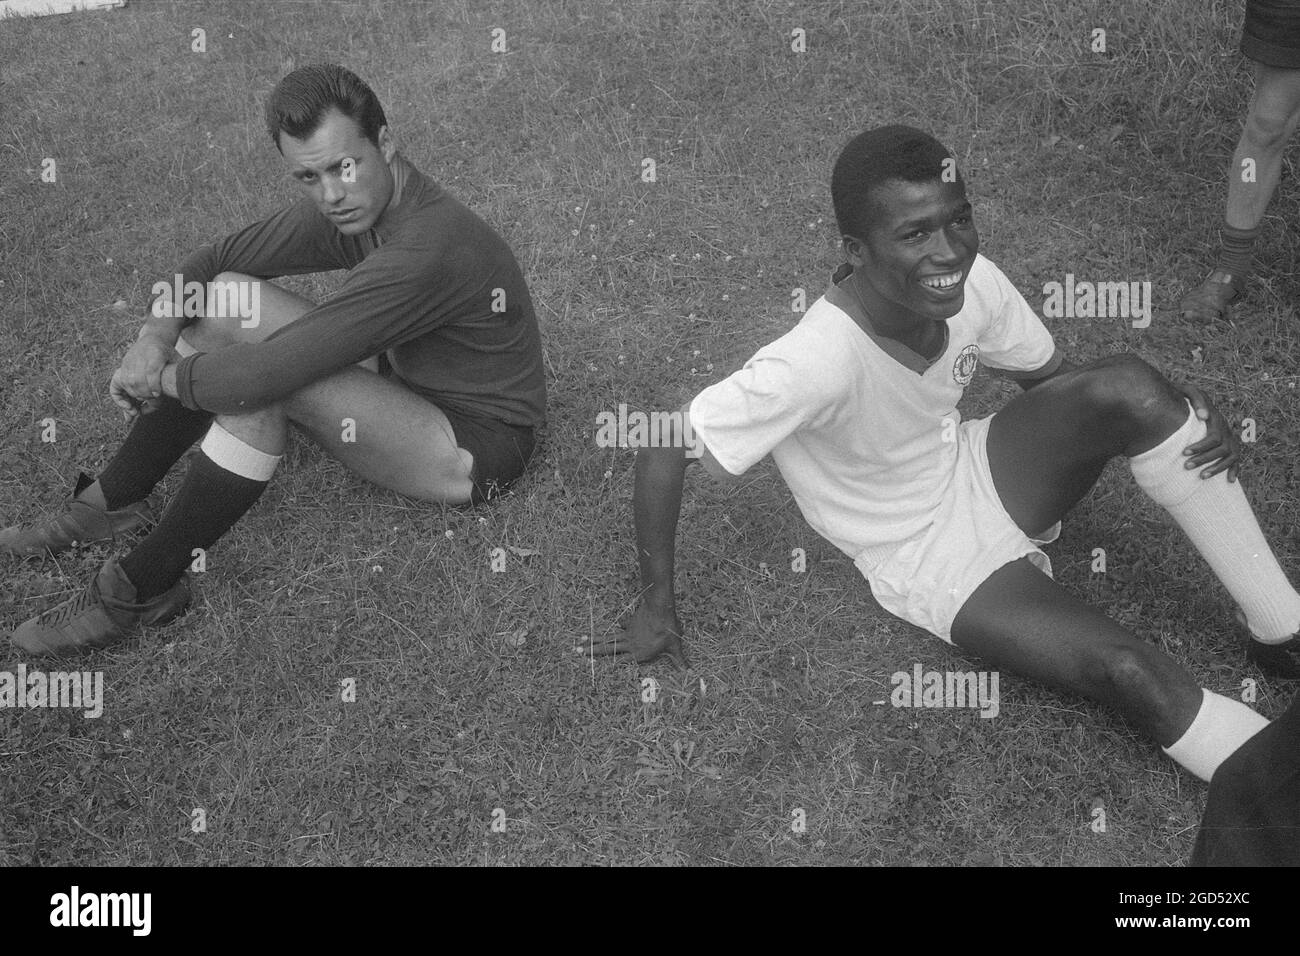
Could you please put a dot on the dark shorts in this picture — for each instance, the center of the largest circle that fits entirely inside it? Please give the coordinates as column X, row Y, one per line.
column 1271, row 34
column 501, row 451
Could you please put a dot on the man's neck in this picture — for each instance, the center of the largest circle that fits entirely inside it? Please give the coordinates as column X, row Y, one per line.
column 876, row 312
column 401, row 172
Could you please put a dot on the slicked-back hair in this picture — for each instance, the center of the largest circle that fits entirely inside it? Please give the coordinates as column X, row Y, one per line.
column 300, row 101
column 874, row 157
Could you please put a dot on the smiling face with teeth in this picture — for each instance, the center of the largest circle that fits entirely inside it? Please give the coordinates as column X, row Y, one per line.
column 910, row 268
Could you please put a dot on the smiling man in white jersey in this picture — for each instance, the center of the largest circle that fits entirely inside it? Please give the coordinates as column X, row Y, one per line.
column 857, row 406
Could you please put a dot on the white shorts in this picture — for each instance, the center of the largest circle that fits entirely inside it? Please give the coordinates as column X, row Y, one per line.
column 926, row 579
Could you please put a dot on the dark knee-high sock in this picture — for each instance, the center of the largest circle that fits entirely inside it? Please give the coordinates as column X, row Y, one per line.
column 224, row 480
column 155, row 443
column 1236, row 249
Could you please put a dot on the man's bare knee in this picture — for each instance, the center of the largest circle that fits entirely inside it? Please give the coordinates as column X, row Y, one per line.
column 233, row 312
column 1127, row 391
column 1151, row 688
column 215, row 329
column 1268, row 128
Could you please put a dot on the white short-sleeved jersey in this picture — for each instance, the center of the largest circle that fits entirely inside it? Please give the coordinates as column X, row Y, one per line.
column 861, row 427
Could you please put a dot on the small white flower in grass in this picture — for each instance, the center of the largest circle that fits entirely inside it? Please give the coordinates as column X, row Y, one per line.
column 672, row 257
column 621, row 359
column 695, row 354
column 482, row 520
column 709, row 367
column 577, row 209
column 377, row 569
column 593, row 256
column 449, row 533
column 108, row 261
column 726, row 298
column 573, row 232
column 128, row 734
column 728, row 259
column 693, row 370
column 696, row 256
column 608, row 474
column 591, row 368
column 631, row 222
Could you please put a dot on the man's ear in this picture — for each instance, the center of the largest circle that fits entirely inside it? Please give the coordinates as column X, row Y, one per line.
column 855, row 250
column 387, row 144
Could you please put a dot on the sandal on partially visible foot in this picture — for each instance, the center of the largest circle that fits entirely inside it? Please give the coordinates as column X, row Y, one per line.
column 1276, row 660
column 1213, row 298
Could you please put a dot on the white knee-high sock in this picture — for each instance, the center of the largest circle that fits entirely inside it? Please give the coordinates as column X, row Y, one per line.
column 1218, row 519
column 1219, row 728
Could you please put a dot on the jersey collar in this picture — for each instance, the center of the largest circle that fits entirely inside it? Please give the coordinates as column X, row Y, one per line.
column 847, row 302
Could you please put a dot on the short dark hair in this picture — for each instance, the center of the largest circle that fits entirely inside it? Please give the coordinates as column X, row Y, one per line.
column 300, row 101
column 874, row 157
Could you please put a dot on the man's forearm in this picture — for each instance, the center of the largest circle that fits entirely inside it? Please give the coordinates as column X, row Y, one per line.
column 657, row 503
column 163, row 327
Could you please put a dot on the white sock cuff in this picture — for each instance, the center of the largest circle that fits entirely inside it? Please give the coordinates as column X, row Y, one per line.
column 183, row 348
column 1159, row 471
column 235, row 455
column 1220, row 727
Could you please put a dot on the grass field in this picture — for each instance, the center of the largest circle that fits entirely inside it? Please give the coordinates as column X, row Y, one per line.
column 469, row 696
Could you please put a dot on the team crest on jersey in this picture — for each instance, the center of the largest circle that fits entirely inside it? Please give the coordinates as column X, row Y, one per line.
column 963, row 370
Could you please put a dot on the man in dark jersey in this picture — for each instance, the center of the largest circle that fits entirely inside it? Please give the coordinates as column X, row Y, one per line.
column 423, row 374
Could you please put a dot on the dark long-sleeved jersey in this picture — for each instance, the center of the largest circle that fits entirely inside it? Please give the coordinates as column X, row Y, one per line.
column 432, row 285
